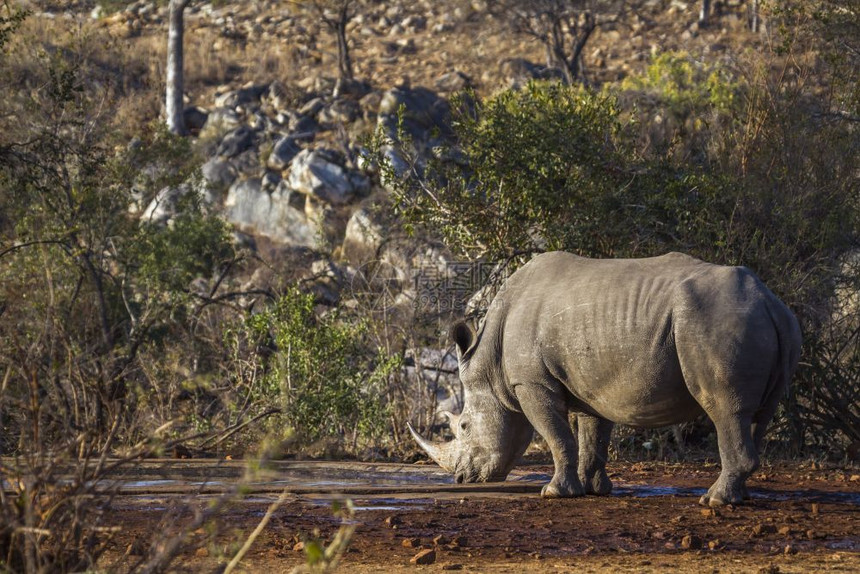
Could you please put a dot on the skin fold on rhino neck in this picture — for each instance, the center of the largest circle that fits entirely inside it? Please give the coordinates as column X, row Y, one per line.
column 481, row 368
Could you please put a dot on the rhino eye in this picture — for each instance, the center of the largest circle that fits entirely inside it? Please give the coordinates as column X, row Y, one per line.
column 464, row 425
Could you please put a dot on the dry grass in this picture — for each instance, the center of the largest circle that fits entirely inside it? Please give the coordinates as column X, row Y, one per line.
column 130, row 70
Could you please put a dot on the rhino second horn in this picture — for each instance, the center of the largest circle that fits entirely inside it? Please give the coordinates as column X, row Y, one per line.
column 443, row 453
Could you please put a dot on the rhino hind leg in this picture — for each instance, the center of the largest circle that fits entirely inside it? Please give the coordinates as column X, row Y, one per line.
column 594, row 435
column 544, row 407
column 739, row 458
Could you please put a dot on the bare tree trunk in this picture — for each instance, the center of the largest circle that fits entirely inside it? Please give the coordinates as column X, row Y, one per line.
column 559, row 55
column 175, row 83
column 754, row 23
column 588, row 28
column 705, row 11
column 344, row 62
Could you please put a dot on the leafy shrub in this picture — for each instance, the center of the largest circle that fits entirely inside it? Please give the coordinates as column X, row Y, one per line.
column 330, row 381
column 10, row 20
column 685, row 84
column 681, row 106
column 553, row 167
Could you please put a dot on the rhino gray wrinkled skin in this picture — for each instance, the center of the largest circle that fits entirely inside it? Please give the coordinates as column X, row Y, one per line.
column 641, row 342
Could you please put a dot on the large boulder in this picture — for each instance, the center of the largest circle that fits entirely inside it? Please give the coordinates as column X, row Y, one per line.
column 320, row 173
column 235, row 142
column 167, row 203
column 283, row 152
column 246, row 97
column 218, row 122
column 363, row 237
column 218, row 174
column 422, row 112
column 254, row 210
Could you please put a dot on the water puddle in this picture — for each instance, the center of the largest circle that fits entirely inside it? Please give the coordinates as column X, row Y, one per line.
column 844, row 545
column 645, row 491
column 381, row 484
column 148, row 483
column 389, row 504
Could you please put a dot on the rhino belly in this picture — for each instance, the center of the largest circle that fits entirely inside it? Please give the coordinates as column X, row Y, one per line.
column 639, row 395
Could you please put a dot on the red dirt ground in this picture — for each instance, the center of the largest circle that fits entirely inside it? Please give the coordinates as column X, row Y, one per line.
column 799, row 520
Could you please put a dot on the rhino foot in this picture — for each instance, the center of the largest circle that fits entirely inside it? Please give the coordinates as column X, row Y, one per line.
column 599, row 483
column 562, row 489
column 721, row 495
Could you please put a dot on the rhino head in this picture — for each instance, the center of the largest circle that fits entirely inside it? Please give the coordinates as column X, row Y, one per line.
column 488, row 436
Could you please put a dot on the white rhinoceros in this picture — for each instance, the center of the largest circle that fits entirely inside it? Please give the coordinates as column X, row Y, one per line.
column 640, row 342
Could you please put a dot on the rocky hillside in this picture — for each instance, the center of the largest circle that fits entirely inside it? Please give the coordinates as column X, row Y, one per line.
column 283, row 156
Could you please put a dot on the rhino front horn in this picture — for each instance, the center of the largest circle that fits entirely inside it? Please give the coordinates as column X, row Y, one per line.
column 443, row 453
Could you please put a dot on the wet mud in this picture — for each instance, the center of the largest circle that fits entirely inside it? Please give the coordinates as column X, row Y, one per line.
column 800, row 519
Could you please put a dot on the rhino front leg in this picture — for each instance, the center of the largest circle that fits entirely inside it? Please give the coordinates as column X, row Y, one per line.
column 594, row 434
column 546, row 410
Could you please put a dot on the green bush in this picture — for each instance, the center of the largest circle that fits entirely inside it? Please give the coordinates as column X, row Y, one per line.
column 685, row 84
column 554, row 167
column 321, row 368
column 11, row 18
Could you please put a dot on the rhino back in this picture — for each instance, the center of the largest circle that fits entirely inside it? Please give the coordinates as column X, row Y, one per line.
column 607, row 330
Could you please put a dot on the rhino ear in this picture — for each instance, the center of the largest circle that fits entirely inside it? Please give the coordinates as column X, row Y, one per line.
column 463, row 336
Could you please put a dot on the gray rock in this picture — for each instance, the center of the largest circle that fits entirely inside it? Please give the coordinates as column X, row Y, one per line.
column 424, row 112
column 255, row 211
column 218, row 174
column 453, row 81
column 283, row 152
column 363, row 237
column 339, row 112
column 165, row 205
column 248, row 163
column 302, row 127
column 219, row 122
column 320, row 173
column 236, row 142
column 242, row 97
column 312, row 107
